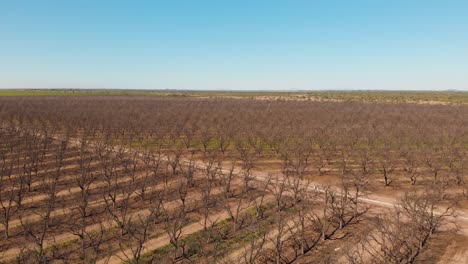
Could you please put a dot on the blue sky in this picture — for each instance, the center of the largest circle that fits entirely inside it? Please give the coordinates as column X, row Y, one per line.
column 235, row 45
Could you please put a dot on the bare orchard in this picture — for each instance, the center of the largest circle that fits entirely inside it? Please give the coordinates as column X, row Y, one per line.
column 112, row 179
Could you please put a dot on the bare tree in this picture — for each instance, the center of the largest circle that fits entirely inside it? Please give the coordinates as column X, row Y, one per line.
column 175, row 219
column 234, row 206
column 411, row 164
column 260, row 202
column 49, row 186
column 253, row 250
column 387, row 164
column 138, row 229
column 402, row 236
column 90, row 242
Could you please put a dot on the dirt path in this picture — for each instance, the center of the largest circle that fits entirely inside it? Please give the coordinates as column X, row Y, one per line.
column 456, row 253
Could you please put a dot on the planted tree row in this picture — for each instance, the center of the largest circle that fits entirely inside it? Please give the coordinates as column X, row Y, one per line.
column 96, row 179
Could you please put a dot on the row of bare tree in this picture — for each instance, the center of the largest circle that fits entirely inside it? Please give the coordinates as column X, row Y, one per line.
column 84, row 178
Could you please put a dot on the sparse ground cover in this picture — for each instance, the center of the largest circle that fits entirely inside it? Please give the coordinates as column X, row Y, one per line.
column 178, row 179
column 419, row 97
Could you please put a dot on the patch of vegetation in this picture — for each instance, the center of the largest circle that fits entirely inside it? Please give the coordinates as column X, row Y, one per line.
column 455, row 97
column 215, row 240
column 450, row 97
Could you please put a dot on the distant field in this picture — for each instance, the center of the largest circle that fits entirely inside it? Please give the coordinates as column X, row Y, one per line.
column 395, row 96
column 429, row 97
column 58, row 92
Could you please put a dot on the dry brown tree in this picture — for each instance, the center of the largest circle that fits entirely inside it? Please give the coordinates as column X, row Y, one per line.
column 38, row 231
column 12, row 189
column 175, row 219
column 404, row 234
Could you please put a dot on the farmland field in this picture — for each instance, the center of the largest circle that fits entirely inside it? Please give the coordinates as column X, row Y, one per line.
column 216, row 177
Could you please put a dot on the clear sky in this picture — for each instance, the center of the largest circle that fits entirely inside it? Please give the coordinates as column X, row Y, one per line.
column 240, row 45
